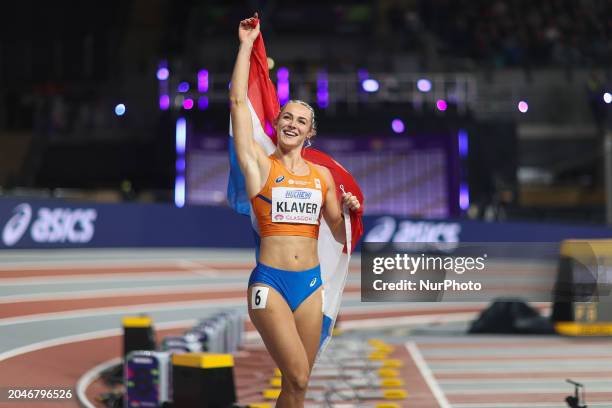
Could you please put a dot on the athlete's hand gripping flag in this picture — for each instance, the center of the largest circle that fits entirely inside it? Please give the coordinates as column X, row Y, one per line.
column 334, row 258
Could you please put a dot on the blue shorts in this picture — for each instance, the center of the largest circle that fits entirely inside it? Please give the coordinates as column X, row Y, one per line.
column 294, row 287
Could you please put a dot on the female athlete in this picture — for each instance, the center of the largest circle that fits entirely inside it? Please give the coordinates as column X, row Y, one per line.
column 288, row 196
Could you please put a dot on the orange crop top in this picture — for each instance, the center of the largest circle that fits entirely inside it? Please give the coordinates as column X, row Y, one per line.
column 289, row 204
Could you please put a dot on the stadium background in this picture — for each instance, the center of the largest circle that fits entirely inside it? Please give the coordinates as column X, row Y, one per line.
column 462, row 120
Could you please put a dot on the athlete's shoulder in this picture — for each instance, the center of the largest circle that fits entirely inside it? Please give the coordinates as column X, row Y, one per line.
column 324, row 172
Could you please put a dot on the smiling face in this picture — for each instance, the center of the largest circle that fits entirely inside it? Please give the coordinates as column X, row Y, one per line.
column 294, row 125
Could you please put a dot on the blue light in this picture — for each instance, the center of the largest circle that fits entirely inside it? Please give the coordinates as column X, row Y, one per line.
column 322, row 90
column 464, row 196
column 179, row 191
column 163, row 74
column 180, row 165
column 203, row 102
column 370, row 85
column 120, row 109
column 462, row 141
column 424, row 85
column 362, row 74
column 181, row 136
column 183, row 87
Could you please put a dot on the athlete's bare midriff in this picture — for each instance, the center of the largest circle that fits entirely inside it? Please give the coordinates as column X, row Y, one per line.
column 291, row 253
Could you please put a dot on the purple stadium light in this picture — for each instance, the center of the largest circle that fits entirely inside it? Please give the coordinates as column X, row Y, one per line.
column 282, row 85
column 362, row 74
column 464, row 196
column 370, row 85
column 398, row 126
column 322, row 90
column 183, row 87
column 424, row 85
column 180, row 165
column 203, row 102
column 523, row 106
column 163, row 74
column 179, row 191
column 164, row 102
column 188, row 104
column 181, row 136
column 441, row 105
column 203, row 80
column 607, row 97
column 462, row 141
column 179, row 180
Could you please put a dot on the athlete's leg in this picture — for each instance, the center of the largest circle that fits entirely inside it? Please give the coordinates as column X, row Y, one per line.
column 309, row 321
column 276, row 325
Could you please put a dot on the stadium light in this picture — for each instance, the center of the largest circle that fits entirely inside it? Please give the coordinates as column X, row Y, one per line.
column 164, row 102
column 370, row 85
column 203, row 102
column 462, row 142
column 282, row 85
column 188, row 104
column 398, row 126
column 464, row 196
column 322, row 90
column 120, row 109
column 203, row 80
column 424, row 85
column 163, row 74
column 441, row 105
column 181, row 135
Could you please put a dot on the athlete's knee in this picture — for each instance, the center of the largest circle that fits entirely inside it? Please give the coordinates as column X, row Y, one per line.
column 296, row 380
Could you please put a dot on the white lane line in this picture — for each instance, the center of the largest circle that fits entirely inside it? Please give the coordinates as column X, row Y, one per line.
column 177, row 324
column 397, row 321
column 102, row 311
column 491, row 392
column 514, row 381
column 606, row 404
column 525, row 370
column 84, row 278
column 89, row 377
column 427, row 374
column 118, row 292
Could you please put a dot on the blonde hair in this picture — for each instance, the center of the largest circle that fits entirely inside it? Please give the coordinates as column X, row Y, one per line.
column 312, row 113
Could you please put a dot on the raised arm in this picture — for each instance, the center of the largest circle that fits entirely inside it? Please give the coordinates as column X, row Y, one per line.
column 251, row 157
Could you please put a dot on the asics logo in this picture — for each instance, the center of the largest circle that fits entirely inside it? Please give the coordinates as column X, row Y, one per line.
column 51, row 225
column 312, row 282
column 17, row 225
